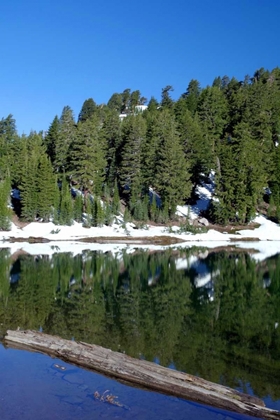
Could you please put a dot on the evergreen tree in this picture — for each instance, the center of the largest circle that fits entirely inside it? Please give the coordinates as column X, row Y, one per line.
column 195, row 147
column 166, row 101
column 217, row 82
column 29, row 189
column 78, row 208
column 115, row 102
column 51, row 139
column 153, row 104
column 65, row 212
column 110, row 133
column 8, row 128
column 191, row 96
column 149, row 149
column 88, row 109
column 240, row 183
column 66, row 137
column 125, row 101
column 133, row 134
column 88, row 157
column 116, row 200
column 213, row 114
column 172, row 179
column 8, row 141
column 47, row 186
column 29, row 180
column 97, row 212
column 5, row 211
column 135, row 97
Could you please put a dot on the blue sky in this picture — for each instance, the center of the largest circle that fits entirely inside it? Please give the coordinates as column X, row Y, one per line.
column 57, row 53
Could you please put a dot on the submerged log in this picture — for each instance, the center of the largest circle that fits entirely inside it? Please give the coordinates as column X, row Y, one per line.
column 141, row 372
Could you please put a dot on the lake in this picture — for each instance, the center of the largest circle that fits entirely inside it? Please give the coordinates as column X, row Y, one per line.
column 211, row 313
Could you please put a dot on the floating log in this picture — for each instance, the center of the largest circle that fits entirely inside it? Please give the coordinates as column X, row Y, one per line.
column 140, row 372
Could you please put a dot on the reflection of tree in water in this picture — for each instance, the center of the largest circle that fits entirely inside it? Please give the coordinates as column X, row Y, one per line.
column 208, row 314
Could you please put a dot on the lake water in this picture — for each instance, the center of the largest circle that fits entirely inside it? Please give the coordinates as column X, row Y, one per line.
column 208, row 313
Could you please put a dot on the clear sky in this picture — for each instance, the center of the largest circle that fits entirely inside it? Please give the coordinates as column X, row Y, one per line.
column 57, row 52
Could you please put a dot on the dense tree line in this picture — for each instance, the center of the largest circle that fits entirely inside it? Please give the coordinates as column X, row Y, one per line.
column 83, row 167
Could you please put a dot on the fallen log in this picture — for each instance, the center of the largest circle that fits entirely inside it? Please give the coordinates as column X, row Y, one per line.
column 141, row 372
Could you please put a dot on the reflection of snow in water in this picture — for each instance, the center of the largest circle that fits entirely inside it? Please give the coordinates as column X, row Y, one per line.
column 204, row 278
column 185, row 263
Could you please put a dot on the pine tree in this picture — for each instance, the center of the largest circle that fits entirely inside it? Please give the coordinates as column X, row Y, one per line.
column 172, row 179
column 116, row 200
column 89, row 211
column 5, row 211
column 195, row 147
column 149, row 149
column 65, row 213
column 133, row 134
column 46, row 182
column 51, row 139
column 8, row 128
column 115, row 102
column 125, row 101
column 8, row 145
column 88, row 157
column 166, row 101
column 213, row 114
column 78, row 208
column 240, row 183
column 98, row 216
column 108, row 214
column 153, row 209
column 88, row 109
column 191, row 96
column 66, row 137
column 110, row 133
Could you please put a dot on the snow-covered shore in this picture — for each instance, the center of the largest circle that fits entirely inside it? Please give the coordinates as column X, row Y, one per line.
column 66, row 238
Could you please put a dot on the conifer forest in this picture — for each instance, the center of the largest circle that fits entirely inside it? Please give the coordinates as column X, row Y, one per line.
column 145, row 160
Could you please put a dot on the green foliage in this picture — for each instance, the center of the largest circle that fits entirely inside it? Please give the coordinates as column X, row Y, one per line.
column 133, row 134
column 98, row 214
column 172, row 172
column 64, row 210
column 141, row 303
column 51, row 139
column 110, row 133
column 166, row 101
column 115, row 102
column 116, row 200
column 88, row 109
column 8, row 128
column 65, row 138
column 108, row 217
column 78, row 208
column 88, row 157
column 191, row 96
column 232, row 127
column 47, row 186
column 5, row 211
column 189, row 228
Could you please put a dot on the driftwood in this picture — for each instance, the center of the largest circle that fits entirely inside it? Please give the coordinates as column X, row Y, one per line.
column 141, row 372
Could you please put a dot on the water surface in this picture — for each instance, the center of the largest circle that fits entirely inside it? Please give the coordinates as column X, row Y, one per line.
column 212, row 314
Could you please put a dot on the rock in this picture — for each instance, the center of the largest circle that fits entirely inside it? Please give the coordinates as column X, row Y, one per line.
column 202, row 221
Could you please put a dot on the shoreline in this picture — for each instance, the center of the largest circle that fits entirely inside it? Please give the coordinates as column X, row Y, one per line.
column 47, row 238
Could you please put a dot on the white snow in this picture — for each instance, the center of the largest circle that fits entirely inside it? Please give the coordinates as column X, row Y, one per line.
column 205, row 193
column 65, row 238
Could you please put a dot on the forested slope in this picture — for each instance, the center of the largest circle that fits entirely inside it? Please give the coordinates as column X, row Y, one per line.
column 231, row 127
